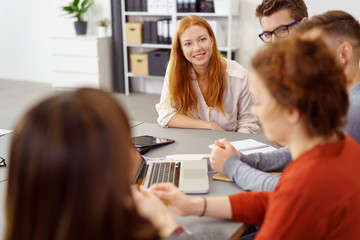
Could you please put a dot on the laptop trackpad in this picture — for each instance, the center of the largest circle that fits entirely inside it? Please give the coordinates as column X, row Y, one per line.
column 193, row 173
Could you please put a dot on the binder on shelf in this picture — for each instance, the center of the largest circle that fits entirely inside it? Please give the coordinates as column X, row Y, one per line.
column 163, row 31
column 171, row 31
column 186, row 5
column 147, row 31
column 160, row 29
column 137, row 5
column 192, row 6
column 206, row 6
column 144, row 5
column 129, row 5
column 166, row 31
column 180, row 5
column 154, row 33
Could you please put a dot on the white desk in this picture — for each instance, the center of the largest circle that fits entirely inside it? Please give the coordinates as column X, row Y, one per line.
column 196, row 141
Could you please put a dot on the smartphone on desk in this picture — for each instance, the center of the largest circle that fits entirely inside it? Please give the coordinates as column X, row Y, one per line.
column 146, row 141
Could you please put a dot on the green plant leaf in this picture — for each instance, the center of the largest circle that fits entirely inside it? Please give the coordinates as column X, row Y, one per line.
column 68, row 9
column 76, row 3
column 83, row 4
column 78, row 8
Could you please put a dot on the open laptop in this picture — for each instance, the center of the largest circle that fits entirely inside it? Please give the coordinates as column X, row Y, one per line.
column 190, row 176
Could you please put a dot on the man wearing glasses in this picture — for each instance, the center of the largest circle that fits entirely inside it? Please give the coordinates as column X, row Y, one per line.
column 277, row 17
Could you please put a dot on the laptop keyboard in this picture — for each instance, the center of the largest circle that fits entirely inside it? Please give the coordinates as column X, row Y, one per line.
column 165, row 172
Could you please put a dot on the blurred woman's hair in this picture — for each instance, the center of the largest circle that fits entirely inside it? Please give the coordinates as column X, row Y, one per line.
column 304, row 74
column 69, row 172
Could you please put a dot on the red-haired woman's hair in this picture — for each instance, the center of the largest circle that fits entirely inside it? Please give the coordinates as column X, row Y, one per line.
column 181, row 95
column 304, row 74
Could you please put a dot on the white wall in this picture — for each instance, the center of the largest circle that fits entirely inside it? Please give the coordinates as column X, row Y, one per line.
column 27, row 26
column 24, row 40
column 26, row 30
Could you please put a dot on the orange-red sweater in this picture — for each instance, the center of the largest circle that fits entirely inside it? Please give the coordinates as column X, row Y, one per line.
column 318, row 197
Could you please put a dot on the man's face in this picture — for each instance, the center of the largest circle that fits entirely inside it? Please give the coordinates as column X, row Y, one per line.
column 279, row 18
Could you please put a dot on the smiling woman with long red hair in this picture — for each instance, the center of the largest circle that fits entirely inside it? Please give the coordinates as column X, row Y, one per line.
column 201, row 88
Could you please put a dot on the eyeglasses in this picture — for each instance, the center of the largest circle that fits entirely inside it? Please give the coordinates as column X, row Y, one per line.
column 280, row 32
column 2, row 162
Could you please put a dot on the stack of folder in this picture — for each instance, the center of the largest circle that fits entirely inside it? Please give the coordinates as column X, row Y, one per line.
column 136, row 5
column 166, row 6
column 195, row 5
column 158, row 31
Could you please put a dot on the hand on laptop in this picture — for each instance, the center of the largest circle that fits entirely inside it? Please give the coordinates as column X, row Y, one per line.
column 152, row 208
column 177, row 201
column 221, row 151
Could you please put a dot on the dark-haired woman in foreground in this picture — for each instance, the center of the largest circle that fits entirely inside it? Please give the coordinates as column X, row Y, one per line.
column 71, row 165
column 301, row 99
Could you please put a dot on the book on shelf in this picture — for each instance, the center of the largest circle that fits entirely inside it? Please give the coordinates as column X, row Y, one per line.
column 147, row 31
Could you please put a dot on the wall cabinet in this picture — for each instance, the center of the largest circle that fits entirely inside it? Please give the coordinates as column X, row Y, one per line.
column 224, row 23
column 82, row 61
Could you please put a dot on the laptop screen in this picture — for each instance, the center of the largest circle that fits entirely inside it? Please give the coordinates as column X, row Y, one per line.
column 139, row 168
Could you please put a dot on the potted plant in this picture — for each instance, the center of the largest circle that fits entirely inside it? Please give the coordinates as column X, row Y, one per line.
column 77, row 8
column 102, row 27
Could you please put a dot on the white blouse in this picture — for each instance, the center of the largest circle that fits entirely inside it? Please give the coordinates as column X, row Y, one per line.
column 237, row 102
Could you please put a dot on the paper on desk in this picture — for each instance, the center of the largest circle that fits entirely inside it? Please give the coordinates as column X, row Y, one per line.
column 187, row 156
column 4, row 132
column 179, row 157
column 250, row 146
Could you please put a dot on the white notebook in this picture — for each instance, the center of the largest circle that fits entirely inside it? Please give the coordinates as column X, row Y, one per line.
column 250, row 146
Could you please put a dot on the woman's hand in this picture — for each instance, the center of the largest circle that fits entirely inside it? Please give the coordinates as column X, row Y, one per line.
column 215, row 126
column 154, row 210
column 221, row 151
column 177, row 201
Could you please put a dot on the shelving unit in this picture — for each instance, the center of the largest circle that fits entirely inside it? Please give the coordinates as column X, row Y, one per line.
column 230, row 20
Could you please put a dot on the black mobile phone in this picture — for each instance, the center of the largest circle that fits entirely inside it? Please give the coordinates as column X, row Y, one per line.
column 146, row 140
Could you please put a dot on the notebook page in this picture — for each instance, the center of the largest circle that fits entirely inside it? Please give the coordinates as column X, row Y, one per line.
column 250, row 146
